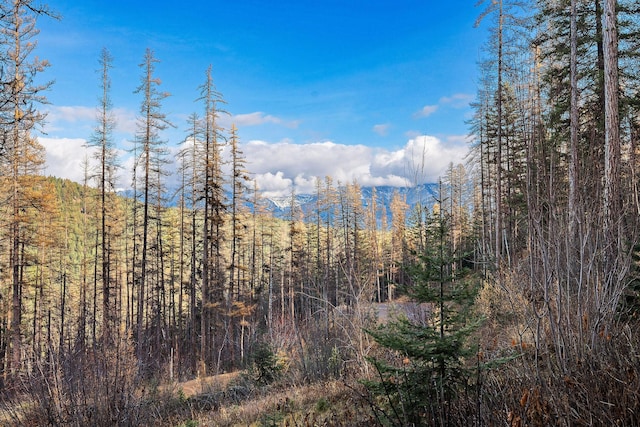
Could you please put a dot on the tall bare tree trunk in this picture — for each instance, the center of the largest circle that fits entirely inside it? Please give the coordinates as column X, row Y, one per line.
column 151, row 122
column 18, row 118
column 574, row 124
column 498, row 218
column 611, row 131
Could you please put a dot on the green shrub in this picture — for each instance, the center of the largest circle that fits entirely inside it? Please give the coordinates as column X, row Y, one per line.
column 265, row 367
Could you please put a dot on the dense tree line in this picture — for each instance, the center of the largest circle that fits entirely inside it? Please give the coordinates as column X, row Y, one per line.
column 556, row 155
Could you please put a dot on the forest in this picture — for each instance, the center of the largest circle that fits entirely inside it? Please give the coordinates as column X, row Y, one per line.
column 510, row 297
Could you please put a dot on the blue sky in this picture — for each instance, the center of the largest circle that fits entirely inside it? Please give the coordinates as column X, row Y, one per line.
column 345, row 88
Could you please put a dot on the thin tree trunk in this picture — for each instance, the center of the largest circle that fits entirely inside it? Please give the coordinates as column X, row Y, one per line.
column 498, row 218
column 612, row 131
column 574, row 124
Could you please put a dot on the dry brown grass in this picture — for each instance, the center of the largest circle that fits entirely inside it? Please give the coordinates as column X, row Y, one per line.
column 199, row 386
column 331, row 404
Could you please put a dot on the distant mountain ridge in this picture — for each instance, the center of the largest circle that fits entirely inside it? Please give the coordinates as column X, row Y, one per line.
column 425, row 193
column 280, row 207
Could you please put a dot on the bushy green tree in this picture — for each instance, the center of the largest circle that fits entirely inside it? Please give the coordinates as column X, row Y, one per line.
column 265, row 367
column 428, row 343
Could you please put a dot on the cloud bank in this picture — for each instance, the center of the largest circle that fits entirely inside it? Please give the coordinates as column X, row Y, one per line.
column 279, row 168
column 67, row 157
column 282, row 166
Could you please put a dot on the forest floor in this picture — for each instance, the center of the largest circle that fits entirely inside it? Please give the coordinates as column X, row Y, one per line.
column 214, row 401
column 328, row 403
column 199, row 386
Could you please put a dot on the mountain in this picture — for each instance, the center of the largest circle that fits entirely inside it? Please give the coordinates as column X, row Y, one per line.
column 280, row 207
column 424, row 193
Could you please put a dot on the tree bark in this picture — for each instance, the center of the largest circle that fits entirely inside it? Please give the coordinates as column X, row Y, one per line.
column 612, row 128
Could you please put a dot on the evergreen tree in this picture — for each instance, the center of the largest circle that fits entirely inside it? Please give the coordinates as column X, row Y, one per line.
column 238, row 211
column 430, row 344
column 107, row 164
column 150, row 123
column 191, row 170
column 21, row 154
column 215, row 207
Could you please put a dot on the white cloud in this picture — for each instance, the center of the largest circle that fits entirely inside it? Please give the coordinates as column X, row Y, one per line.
column 411, row 134
column 426, row 111
column 71, row 114
column 459, row 139
column 457, row 100
column 83, row 119
column 274, row 185
column 382, row 129
column 343, row 162
column 65, row 157
column 427, row 157
column 125, row 120
column 259, row 118
column 69, row 157
column 279, row 166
